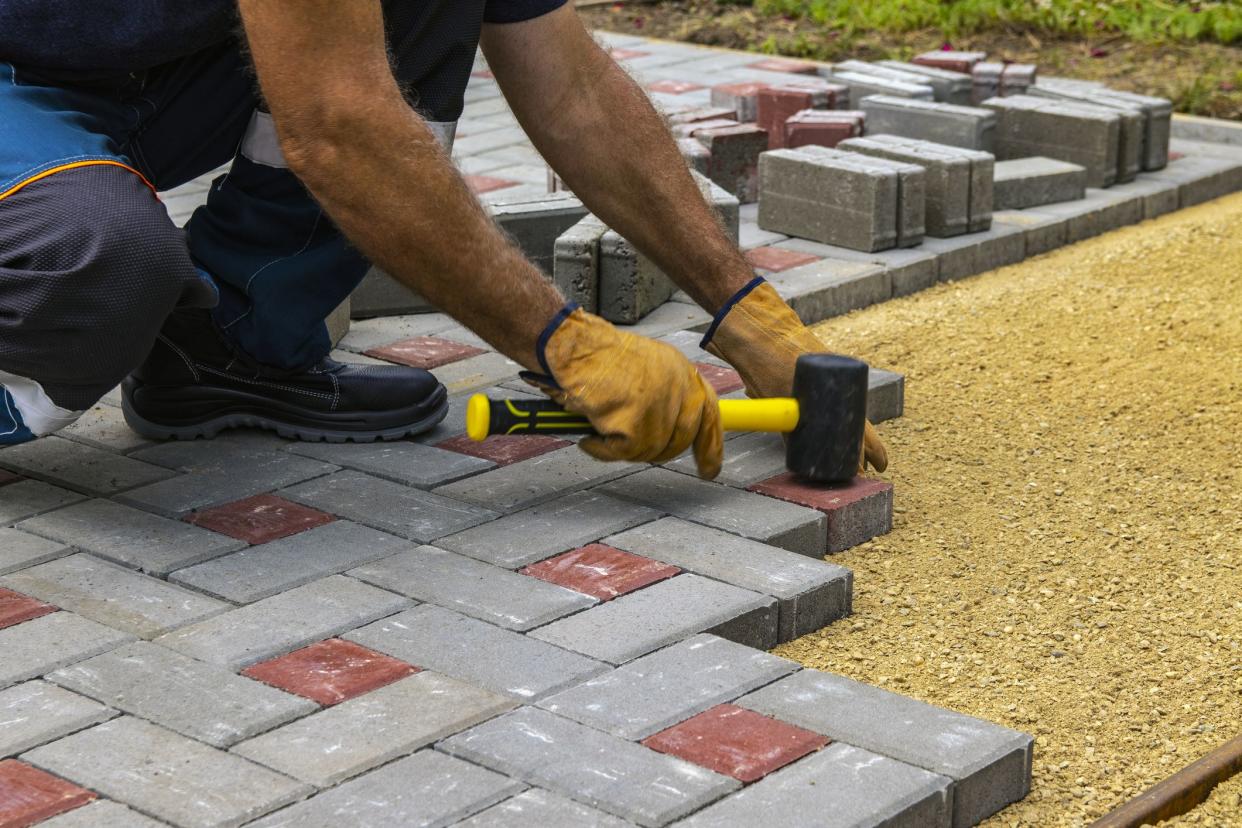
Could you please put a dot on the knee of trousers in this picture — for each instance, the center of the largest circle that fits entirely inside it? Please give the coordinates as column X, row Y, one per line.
column 90, row 266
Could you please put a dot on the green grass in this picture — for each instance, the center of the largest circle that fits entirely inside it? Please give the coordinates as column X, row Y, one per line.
column 1146, row 21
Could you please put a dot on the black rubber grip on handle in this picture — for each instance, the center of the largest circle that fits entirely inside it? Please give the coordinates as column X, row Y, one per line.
column 535, row 417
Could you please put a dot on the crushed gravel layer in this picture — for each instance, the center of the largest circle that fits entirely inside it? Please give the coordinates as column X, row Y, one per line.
column 1067, row 551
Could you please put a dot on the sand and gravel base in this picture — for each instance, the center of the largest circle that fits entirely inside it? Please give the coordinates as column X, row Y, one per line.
column 1067, row 551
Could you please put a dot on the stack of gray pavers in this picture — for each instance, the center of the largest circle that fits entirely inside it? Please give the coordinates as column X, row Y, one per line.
column 862, row 80
column 842, row 198
column 958, row 126
column 1107, row 142
column 1156, row 113
column 602, row 272
column 958, row 181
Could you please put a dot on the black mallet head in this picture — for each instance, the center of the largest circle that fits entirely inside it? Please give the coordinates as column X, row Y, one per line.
column 832, row 412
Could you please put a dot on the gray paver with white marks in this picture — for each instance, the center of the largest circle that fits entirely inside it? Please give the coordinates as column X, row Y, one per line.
column 428, row 788
column 842, row 786
column 990, row 764
column 635, row 624
column 473, row 588
column 130, row 536
column 265, row 570
column 27, row 498
column 476, row 652
column 224, row 483
column 786, row 525
column 531, row 482
column 102, row 813
column 390, row 507
column 595, row 768
column 549, row 529
column 103, row 426
column 402, row 462
column 658, row 690
column 80, row 467
column 812, row 593
column 537, row 808
column 377, row 727
column 203, row 701
column 166, row 775
column 37, row 712
column 120, row 598
column 748, row 458
column 284, row 622
column 19, row 550
column 36, row 647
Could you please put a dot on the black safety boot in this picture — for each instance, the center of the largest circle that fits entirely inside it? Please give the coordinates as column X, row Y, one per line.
column 195, row 384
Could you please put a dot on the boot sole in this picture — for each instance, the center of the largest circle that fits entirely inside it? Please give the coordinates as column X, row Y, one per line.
column 304, row 431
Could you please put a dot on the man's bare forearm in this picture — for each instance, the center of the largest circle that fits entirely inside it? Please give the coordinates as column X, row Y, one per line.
column 599, row 131
column 383, row 178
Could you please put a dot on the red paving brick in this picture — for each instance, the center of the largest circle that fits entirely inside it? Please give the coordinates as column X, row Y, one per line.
column 425, row 352
column 857, row 511
column 482, row 73
column 16, row 608
column 737, row 742
column 485, row 183
column 330, row 672
column 260, row 519
column 796, row 67
column 672, row 87
column 601, row 571
column 776, row 259
column 8, row 477
column 724, row 380
column 29, row 795
column 822, row 128
column 627, row 54
column 505, row 449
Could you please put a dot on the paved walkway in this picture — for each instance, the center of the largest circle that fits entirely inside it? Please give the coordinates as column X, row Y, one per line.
column 434, row 631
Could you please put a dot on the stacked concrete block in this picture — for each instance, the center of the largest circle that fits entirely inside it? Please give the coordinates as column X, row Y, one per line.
column 1089, row 136
column 379, row 294
column 959, row 181
column 742, row 98
column 733, row 161
column 776, row 104
column 1156, row 113
column 601, row 271
column 841, row 198
column 948, row 86
column 886, row 71
column 1032, row 182
column 536, row 222
column 951, row 60
column 822, row 128
column 958, row 126
column 861, row 86
column 703, row 113
column 696, row 155
column 338, row 323
column 992, row 80
column 575, row 268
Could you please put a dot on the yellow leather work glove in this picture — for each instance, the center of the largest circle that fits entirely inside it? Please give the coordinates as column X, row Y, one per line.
column 645, row 399
column 760, row 335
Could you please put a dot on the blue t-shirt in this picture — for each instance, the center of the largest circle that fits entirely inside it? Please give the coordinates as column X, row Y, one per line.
column 133, row 35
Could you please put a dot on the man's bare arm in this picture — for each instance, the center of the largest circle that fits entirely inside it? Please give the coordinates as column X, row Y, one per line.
column 598, row 130
column 379, row 173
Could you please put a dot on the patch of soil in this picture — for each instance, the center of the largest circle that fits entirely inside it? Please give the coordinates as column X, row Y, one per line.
column 1200, row 78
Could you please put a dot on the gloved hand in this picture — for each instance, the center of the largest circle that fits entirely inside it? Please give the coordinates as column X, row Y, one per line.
column 645, row 399
column 761, row 336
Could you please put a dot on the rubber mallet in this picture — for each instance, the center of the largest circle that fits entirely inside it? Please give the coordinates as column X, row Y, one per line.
column 824, row 418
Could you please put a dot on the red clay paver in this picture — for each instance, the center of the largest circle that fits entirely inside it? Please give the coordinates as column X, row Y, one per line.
column 776, row 259
column 796, row 67
column 601, row 571
column 737, row 742
column 627, row 54
column 505, row 449
column 29, row 795
column 331, row 671
column 826, row 498
column 485, row 183
column 260, row 519
column 425, row 352
column 7, row 477
column 16, row 608
column 724, row 380
column 672, row 87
